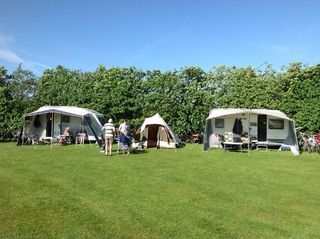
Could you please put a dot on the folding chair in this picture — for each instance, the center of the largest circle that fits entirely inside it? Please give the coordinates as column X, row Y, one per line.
column 80, row 138
column 195, row 138
column 123, row 145
column 232, row 140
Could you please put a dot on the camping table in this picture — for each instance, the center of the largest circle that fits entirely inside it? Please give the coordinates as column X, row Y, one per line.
column 232, row 144
column 47, row 140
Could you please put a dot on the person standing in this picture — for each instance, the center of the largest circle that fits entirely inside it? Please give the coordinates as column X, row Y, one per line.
column 124, row 126
column 109, row 130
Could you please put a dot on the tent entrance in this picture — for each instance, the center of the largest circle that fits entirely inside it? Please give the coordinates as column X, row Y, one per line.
column 49, row 125
column 262, row 128
column 152, row 136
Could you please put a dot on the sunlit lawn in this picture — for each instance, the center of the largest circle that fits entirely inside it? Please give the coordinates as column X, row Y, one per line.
column 77, row 192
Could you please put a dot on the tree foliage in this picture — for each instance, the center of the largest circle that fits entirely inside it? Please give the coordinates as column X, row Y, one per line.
column 16, row 96
column 183, row 98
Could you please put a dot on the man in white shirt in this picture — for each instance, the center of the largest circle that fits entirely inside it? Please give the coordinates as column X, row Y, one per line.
column 109, row 130
column 124, row 127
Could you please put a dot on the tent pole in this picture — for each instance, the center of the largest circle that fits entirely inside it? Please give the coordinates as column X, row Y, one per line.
column 249, row 132
column 23, row 129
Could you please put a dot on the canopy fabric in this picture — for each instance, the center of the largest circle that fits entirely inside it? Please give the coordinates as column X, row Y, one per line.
column 87, row 115
column 158, row 120
column 209, row 135
column 65, row 110
column 216, row 113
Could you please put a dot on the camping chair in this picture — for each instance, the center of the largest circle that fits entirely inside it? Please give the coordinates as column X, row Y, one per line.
column 195, row 138
column 80, row 137
column 66, row 138
column 231, row 140
column 123, row 145
column 32, row 139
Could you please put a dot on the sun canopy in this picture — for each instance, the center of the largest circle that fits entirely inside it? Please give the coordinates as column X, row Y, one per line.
column 65, row 110
column 53, row 126
column 216, row 113
column 247, row 121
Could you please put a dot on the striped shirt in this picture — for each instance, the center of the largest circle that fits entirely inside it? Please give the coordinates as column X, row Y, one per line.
column 108, row 129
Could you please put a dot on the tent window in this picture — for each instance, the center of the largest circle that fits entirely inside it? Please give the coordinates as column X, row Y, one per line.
column 219, row 123
column 276, row 124
column 65, row 119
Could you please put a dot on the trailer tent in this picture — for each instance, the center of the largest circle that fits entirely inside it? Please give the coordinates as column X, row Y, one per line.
column 259, row 126
column 51, row 121
column 155, row 132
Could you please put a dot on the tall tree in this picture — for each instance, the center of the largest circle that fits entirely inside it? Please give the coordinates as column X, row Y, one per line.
column 16, row 94
column 164, row 95
column 59, row 86
column 119, row 93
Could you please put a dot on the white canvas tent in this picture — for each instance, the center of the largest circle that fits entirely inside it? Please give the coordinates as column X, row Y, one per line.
column 260, row 126
column 51, row 121
column 155, row 132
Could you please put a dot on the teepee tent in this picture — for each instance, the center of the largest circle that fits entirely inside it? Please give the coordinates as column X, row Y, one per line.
column 155, row 132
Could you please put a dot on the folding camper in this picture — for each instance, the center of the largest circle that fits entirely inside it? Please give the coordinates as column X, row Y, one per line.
column 50, row 122
column 155, row 132
column 260, row 127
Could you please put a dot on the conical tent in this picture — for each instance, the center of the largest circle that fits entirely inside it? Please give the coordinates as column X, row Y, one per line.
column 155, row 132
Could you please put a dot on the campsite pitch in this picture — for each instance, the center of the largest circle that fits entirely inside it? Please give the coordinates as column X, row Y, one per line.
column 77, row 192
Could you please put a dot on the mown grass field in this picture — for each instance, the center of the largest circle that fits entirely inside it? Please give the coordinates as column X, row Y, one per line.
column 69, row 192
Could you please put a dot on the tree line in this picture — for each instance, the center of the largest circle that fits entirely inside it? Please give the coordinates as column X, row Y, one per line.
column 183, row 98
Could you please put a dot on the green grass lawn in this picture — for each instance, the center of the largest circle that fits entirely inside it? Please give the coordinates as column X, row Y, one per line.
column 69, row 192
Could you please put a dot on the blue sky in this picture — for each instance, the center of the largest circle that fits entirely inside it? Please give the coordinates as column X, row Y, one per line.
column 164, row 35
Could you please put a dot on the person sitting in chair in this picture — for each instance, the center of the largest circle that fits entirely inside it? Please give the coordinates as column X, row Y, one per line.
column 66, row 137
column 126, row 139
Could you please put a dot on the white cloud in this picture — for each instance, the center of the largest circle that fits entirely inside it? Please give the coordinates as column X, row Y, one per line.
column 37, row 64
column 7, row 55
column 10, row 56
column 6, row 40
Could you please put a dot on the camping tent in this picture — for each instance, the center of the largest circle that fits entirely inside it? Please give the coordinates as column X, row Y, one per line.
column 260, row 126
column 155, row 132
column 51, row 122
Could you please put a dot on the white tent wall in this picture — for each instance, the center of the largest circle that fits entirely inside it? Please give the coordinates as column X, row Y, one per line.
column 56, row 125
column 163, row 138
column 31, row 129
column 229, row 122
column 75, row 124
column 221, row 121
column 271, row 133
column 41, row 124
column 277, row 133
column 159, row 132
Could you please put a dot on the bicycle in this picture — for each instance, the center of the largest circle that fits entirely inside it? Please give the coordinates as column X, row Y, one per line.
column 308, row 142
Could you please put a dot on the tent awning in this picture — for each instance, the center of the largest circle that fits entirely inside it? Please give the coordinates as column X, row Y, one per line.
column 65, row 110
column 216, row 113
